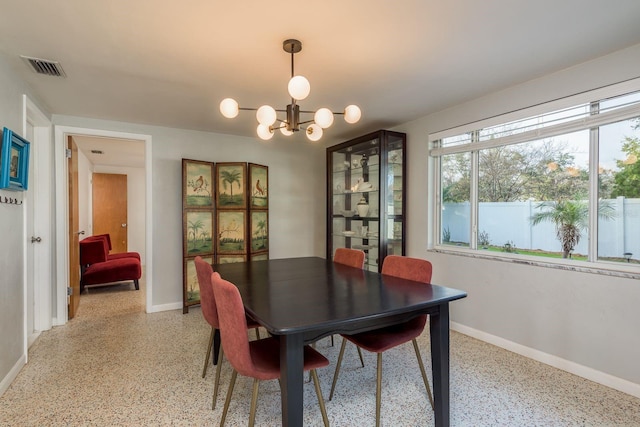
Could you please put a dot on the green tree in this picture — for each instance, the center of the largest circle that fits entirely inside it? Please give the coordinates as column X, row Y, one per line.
column 541, row 170
column 261, row 230
column 570, row 217
column 551, row 173
column 626, row 182
column 194, row 228
column 456, row 182
column 230, row 177
column 502, row 174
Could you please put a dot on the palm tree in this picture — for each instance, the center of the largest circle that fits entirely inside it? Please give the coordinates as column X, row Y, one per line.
column 570, row 217
column 261, row 229
column 230, row 177
column 195, row 227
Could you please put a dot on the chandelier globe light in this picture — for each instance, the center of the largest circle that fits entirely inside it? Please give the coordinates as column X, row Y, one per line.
column 352, row 114
column 299, row 89
column 229, row 108
column 264, row 132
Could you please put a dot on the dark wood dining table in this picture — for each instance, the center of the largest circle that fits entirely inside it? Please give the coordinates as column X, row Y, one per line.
column 301, row 300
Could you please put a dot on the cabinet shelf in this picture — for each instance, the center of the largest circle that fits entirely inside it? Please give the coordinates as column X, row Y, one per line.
column 346, row 193
column 377, row 159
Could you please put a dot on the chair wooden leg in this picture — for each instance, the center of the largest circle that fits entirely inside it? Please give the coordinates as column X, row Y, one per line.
column 217, row 382
column 258, row 333
column 360, row 355
column 313, row 345
column 228, row 399
column 209, row 347
column 136, row 284
column 254, row 401
column 378, row 389
column 335, row 375
column 331, row 340
column 323, row 410
column 423, row 372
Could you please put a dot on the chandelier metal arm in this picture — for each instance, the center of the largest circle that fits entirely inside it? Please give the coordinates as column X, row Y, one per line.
column 313, row 112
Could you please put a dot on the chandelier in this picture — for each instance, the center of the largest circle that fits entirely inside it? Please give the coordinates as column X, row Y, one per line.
column 299, row 89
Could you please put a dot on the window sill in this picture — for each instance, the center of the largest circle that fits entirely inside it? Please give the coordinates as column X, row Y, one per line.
column 601, row 268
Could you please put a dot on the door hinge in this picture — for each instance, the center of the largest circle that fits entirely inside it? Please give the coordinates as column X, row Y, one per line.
column 67, row 153
column 69, row 291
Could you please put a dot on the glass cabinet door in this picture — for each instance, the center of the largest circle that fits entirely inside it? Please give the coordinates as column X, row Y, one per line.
column 365, row 192
column 395, row 197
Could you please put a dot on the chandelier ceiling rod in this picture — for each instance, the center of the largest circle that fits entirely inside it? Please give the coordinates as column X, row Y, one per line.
column 299, row 89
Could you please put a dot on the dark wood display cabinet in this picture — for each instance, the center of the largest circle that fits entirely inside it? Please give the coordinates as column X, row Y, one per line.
column 366, row 202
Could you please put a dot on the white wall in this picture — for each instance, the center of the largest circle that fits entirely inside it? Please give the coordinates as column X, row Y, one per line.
column 12, row 241
column 588, row 322
column 136, row 197
column 296, row 196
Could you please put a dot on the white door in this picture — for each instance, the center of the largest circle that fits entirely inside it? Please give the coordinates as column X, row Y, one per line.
column 32, row 333
column 38, row 235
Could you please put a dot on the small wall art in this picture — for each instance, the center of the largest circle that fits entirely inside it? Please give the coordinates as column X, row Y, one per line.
column 191, row 289
column 197, row 177
column 259, row 231
column 231, row 232
column 228, row 259
column 198, row 233
column 230, row 191
column 258, row 186
column 14, row 161
column 260, row 257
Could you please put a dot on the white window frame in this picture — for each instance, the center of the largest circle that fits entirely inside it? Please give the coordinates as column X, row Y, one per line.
column 593, row 265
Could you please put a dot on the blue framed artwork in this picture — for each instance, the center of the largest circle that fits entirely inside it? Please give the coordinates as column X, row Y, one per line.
column 14, row 161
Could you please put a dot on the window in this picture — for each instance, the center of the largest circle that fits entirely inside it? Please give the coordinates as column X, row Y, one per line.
column 562, row 183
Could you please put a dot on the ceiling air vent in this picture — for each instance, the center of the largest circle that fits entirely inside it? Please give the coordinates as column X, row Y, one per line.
column 97, row 151
column 45, row 66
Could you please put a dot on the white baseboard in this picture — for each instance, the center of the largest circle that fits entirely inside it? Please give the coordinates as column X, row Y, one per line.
column 32, row 338
column 551, row 360
column 165, row 307
column 13, row 373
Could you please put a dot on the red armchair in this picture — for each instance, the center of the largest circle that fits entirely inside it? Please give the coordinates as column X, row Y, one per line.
column 98, row 267
column 107, row 238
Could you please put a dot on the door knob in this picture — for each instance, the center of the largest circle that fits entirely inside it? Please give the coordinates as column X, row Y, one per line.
column 124, row 225
column 36, row 239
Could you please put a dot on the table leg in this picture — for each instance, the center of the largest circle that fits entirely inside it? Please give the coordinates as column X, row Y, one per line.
column 291, row 371
column 439, row 328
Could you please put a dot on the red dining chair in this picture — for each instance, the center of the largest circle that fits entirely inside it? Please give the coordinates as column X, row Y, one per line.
column 352, row 258
column 210, row 313
column 259, row 359
column 380, row 340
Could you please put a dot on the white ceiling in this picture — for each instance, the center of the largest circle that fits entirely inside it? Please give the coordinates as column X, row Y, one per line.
column 170, row 63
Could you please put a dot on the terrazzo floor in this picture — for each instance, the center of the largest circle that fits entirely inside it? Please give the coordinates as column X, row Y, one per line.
column 114, row 365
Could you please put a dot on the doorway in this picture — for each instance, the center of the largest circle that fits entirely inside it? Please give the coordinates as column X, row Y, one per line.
column 110, row 140
column 109, row 208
